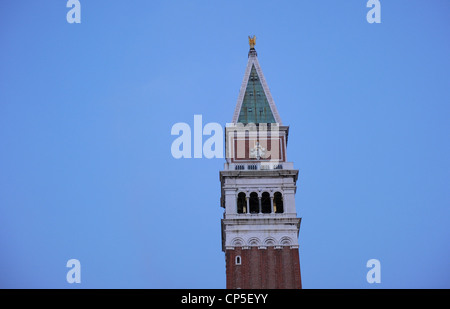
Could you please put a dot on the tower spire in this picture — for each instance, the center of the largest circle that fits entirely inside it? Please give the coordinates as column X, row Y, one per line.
column 255, row 103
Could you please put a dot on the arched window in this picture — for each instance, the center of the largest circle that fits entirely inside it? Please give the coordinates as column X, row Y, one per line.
column 238, row 260
column 278, row 203
column 254, row 203
column 241, row 203
column 265, row 203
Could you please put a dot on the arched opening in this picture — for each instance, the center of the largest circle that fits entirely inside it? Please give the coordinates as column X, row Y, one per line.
column 278, row 203
column 241, row 203
column 254, row 203
column 265, row 203
column 238, row 260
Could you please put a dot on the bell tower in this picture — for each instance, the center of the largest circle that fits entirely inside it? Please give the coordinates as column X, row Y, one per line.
column 260, row 225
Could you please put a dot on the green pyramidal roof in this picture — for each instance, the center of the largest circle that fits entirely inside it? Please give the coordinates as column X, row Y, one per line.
column 255, row 103
column 255, row 106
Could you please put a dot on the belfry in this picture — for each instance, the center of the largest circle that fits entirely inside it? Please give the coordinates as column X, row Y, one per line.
column 260, row 226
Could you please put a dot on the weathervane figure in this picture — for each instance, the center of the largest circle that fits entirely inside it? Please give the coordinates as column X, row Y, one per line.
column 252, row 41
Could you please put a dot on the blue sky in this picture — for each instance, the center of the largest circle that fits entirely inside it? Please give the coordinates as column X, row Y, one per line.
column 86, row 111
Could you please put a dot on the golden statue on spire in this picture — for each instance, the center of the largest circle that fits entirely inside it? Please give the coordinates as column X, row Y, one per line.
column 252, row 41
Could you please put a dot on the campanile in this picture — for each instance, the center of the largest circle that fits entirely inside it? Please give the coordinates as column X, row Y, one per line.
column 260, row 225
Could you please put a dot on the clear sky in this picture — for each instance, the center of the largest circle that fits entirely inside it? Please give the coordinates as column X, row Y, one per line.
column 86, row 111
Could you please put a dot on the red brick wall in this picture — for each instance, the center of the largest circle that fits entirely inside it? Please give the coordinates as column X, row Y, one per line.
column 263, row 268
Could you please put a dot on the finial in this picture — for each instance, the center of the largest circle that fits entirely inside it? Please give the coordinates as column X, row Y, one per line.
column 252, row 41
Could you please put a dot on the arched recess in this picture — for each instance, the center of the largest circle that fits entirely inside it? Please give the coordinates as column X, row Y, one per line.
column 254, row 203
column 241, row 203
column 265, row 203
column 278, row 206
column 285, row 241
column 254, row 241
column 237, row 242
column 269, row 241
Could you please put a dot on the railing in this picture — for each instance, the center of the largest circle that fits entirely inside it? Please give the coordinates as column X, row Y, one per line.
column 260, row 166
